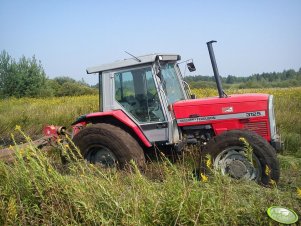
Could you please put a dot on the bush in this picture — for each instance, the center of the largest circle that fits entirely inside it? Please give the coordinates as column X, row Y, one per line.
column 65, row 86
column 25, row 78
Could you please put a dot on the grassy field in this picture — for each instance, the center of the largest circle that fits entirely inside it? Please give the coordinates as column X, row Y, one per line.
column 32, row 114
column 38, row 190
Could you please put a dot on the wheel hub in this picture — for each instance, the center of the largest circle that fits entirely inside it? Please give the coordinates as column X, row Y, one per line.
column 237, row 169
column 233, row 161
column 103, row 156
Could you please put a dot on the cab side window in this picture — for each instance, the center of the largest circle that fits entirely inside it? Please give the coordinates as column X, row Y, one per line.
column 136, row 91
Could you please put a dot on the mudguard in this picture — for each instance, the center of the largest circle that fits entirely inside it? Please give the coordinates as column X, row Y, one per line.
column 118, row 115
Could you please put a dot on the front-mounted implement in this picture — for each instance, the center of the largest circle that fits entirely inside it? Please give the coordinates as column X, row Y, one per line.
column 51, row 136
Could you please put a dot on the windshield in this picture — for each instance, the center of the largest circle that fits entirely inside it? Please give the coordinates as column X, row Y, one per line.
column 171, row 84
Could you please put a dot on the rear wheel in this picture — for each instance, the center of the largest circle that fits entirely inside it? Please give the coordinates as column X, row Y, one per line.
column 108, row 146
column 232, row 157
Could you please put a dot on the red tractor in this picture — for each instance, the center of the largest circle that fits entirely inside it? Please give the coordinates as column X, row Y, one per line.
column 144, row 103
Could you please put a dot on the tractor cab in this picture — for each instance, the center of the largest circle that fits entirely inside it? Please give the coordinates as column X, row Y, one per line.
column 144, row 88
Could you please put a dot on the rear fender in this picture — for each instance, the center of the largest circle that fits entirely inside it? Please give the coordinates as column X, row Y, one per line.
column 118, row 118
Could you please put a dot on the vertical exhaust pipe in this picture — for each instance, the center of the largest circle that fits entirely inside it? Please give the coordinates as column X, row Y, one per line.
column 221, row 93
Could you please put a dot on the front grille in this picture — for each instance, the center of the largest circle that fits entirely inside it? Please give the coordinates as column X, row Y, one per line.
column 257, row 127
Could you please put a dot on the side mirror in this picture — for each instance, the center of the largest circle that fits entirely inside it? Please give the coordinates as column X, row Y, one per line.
column 191, row 67
column 193, row 96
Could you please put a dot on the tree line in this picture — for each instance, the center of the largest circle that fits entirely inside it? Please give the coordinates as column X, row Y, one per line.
column 286, row 78
column 26, row 77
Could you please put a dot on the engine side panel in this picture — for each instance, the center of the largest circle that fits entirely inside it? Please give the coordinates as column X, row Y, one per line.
column 241, row 112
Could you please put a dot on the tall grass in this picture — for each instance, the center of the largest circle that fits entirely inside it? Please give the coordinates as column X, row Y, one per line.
column 35, row 190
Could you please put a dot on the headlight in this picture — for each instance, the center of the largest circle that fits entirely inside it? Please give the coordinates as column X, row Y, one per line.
column 272, row 117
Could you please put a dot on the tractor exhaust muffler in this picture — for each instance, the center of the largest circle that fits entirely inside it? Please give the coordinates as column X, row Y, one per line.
column 221, row 92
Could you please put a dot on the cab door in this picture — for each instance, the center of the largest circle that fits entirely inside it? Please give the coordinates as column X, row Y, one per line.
column 136, row 93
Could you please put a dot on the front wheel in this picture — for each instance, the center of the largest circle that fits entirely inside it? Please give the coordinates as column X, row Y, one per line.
column 242, row 154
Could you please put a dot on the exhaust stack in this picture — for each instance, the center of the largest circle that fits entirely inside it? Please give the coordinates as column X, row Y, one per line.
column 221, row 92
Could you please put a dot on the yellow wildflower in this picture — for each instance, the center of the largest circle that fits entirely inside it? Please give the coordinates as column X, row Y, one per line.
column 208, row 161
column 22, row 152
column 243, row 139
column 18, row 128
column 272, row 182
column 11, row 210
column 204, row 178
column 267, row 170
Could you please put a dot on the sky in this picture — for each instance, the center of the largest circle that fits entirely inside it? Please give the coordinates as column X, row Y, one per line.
column 69, row 36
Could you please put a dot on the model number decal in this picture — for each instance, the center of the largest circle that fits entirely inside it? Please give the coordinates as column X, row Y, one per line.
column 253, row 114
column 223, row 117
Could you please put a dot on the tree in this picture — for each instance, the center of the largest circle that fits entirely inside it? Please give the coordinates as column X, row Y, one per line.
column 230, row 79
column 63, row 79
column 6, row 70
column 25, row 78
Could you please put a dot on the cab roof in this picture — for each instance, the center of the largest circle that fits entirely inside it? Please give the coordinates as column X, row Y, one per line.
column 132, row 61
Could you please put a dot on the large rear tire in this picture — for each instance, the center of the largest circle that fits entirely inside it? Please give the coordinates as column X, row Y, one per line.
column 230, row 155
column 109, row 146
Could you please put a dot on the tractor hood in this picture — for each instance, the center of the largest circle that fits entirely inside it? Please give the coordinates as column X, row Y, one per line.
column 203, row 109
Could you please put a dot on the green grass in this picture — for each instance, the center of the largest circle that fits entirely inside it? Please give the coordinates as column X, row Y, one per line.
column 33, row 113
column 38, row 190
